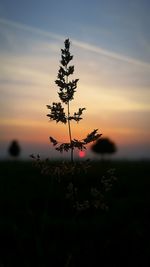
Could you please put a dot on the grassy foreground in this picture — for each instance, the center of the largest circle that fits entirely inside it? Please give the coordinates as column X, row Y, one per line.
column 36, row 230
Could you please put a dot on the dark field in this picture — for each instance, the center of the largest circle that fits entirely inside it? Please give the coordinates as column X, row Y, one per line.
column 37, row 228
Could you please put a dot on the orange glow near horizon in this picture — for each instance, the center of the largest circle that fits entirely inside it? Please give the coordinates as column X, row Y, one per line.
column 39, row 132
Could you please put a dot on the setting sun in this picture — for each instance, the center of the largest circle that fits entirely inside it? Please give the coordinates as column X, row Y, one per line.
column 82, row 154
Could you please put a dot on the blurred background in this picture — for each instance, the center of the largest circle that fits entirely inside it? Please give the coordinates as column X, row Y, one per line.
column 110, row 41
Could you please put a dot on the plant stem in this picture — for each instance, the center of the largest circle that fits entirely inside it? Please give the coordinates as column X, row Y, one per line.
column 69, row 128
column 69, row 125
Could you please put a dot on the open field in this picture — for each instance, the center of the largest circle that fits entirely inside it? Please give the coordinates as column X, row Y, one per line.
column 36, row 230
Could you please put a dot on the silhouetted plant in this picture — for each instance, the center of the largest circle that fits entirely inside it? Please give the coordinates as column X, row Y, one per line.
column 67, row 88
column 104, row 146
column 70, row 175
column 14, row 149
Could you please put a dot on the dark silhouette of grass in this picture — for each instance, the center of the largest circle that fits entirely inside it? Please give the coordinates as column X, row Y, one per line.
column 37, row 227
column 59, row 113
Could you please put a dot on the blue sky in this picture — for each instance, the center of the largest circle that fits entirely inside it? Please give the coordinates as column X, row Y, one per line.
column 118, row 25
column 111, row 46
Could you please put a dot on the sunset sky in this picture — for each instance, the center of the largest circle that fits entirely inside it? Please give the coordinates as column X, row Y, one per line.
column 110, row 41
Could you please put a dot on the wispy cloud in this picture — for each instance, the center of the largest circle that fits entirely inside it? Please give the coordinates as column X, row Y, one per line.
column 110, row 54
column 77, row 43
column 22, row 72
column 34, row 30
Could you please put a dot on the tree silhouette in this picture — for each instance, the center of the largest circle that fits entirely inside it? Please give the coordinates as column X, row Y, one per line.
column 104, row 146
column 14, row 149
